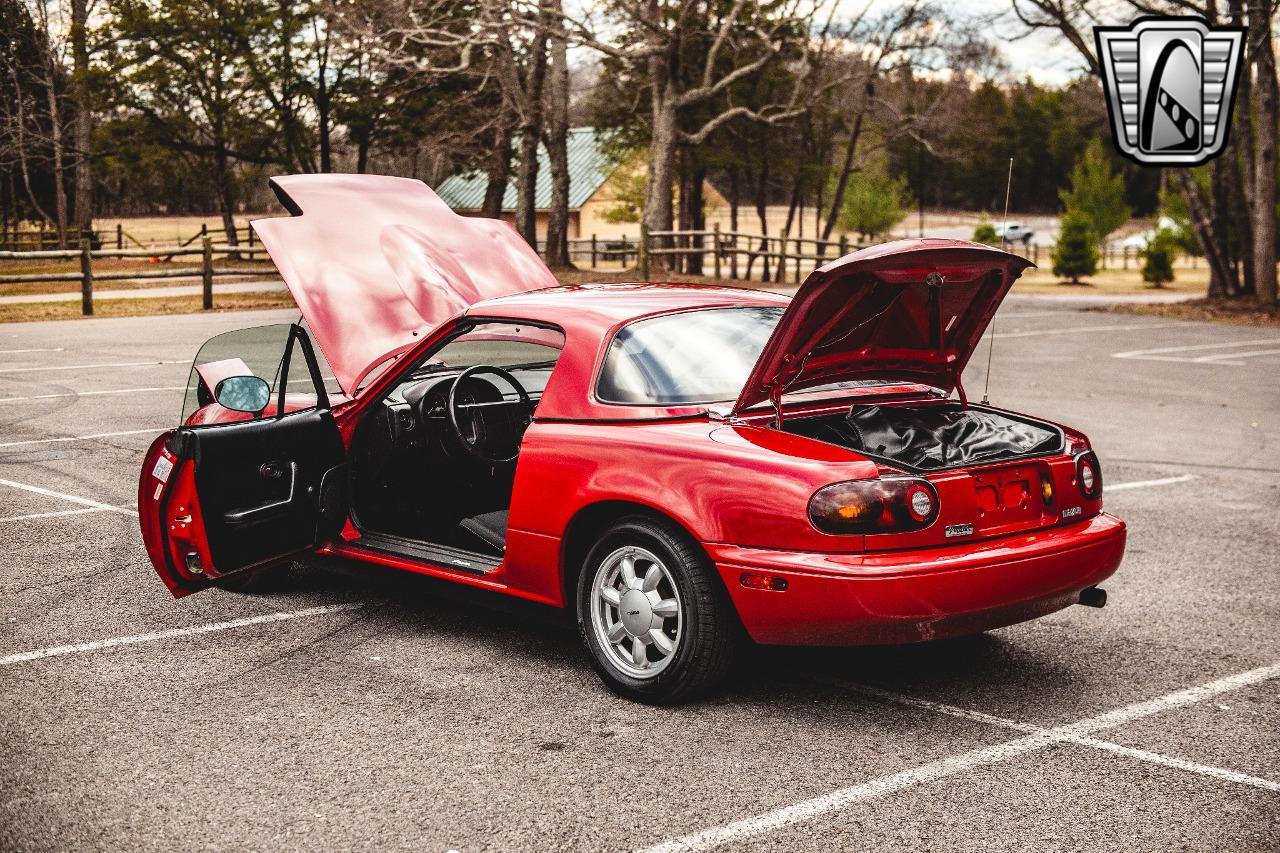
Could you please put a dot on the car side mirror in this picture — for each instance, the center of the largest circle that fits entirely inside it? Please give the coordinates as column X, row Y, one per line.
column 243, row 394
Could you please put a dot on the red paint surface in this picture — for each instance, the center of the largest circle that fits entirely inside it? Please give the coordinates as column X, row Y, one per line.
column 740, row 489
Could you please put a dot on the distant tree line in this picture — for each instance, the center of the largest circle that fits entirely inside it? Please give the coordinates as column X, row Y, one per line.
column 847, row 124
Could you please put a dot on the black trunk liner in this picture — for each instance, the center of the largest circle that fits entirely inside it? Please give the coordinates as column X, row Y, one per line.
column 931, row 437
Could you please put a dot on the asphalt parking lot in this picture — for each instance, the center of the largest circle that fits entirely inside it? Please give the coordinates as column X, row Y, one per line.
column 383, row 712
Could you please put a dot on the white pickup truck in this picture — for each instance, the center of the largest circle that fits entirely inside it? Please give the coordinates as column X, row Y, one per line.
column 1015, row 232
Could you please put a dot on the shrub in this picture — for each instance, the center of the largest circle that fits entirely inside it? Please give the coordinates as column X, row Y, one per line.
column 1076, row 253
column 1157, row 257
column 986, row 233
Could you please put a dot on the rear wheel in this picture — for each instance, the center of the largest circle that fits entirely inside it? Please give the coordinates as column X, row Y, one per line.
column 656, row 622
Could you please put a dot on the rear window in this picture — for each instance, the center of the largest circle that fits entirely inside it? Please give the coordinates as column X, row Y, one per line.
column 690, row 357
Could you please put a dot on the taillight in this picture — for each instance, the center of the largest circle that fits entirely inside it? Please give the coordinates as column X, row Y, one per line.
column 1089, row 475
column 886, row 505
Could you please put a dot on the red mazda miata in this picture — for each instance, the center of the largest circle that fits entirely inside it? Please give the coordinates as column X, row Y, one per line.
column 685, row 466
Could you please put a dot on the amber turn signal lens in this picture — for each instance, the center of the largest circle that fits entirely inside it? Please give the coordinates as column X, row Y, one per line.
column 754, row 580
column 1046, row 489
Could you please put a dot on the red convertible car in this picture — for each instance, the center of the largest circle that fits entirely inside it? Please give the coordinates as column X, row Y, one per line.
column 685, row 466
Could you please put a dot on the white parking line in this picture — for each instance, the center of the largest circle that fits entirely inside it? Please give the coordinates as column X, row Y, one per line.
column 57, row 514
column 58, row 651
column 154, row 430
column 92, row 393
column 1169, row 353
column 1218, row 359
column 1142, row 484
column 952, row 765
column 1076, row 329
column 91, row 366
column 49, row 493
column 1027, row 315
column 1115, row 748
column 17, row 351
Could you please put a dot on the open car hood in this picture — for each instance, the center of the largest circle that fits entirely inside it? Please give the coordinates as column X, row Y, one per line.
column 377, row 263
column 906, row 311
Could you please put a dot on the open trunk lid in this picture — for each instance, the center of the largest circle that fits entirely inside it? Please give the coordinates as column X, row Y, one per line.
column 910, row 311
column 377, row 263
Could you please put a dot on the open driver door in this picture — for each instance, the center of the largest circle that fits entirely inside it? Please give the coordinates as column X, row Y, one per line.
column 253, row 476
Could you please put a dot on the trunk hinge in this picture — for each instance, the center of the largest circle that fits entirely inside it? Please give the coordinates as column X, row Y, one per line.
column 775, row 400
column 964, row 398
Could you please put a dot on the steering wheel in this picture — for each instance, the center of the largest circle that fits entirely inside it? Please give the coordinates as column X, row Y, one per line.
column 487, row 429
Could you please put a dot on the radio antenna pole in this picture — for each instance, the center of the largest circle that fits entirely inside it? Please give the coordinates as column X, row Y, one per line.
column 1004, row 242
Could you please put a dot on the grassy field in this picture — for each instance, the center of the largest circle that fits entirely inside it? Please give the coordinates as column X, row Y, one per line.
column 37, row 311
column 1114, row 282
column 167, row 230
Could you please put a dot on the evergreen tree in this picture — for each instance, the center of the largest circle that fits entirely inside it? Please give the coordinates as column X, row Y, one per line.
column 874, row 202
column 1097, row 191
column 1076, row 253
column 1157, row 266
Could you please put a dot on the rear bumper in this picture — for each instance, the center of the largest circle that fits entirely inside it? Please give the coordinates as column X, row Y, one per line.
column 910, row 596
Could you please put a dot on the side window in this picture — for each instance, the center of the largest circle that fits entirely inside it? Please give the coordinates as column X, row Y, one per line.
column 248, row 365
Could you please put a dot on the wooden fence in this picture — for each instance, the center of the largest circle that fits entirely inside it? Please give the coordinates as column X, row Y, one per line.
column 737, row 253
column 783, row 258
column 86, row 275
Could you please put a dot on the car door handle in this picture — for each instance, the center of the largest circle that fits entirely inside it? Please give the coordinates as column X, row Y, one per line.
column 271, row 509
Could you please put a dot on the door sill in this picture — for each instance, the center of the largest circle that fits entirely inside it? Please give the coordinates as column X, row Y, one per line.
column 455, row 559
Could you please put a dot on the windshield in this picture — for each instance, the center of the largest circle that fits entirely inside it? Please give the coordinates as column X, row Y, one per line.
column 690, row 357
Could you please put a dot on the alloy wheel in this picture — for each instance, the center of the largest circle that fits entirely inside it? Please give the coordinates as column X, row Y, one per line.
column 635, row 612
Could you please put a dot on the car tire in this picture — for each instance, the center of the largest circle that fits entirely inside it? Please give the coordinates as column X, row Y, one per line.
column 257, row 581
column 701, row 627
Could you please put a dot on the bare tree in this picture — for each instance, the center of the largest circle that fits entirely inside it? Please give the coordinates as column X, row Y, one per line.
column 1072, row 18
column 49, row 25
column 1263, row 181
column 82, row 132
column 556, row 139
column 742, row 38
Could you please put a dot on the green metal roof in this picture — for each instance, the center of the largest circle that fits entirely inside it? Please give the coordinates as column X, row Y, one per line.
column 589, row 167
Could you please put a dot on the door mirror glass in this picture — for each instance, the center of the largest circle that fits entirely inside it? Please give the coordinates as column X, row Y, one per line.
column 243, row 394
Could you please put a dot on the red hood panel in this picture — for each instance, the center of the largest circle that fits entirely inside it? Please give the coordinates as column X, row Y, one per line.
column 376, row 263
column 910, row 311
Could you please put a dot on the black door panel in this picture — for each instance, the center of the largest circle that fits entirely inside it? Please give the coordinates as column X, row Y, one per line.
column 259, row 484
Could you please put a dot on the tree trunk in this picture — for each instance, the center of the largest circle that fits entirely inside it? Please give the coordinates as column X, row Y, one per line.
column 1222, row 215
column 762, row 209
column 83, row 129
column 734, row 200
column 497, row 172
column 531, row 123
column 557, row 251
column 846, row 169
column 786, row 227
column 59, row 178
column 226, row 197
column 1210, row 245
column 1264, row 160
column 697, row 216
column 324, row 129
column 658, row 212
column 1239, row 152
column 362, row 153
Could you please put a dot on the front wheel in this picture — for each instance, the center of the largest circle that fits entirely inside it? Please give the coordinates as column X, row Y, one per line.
column 656, row 621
